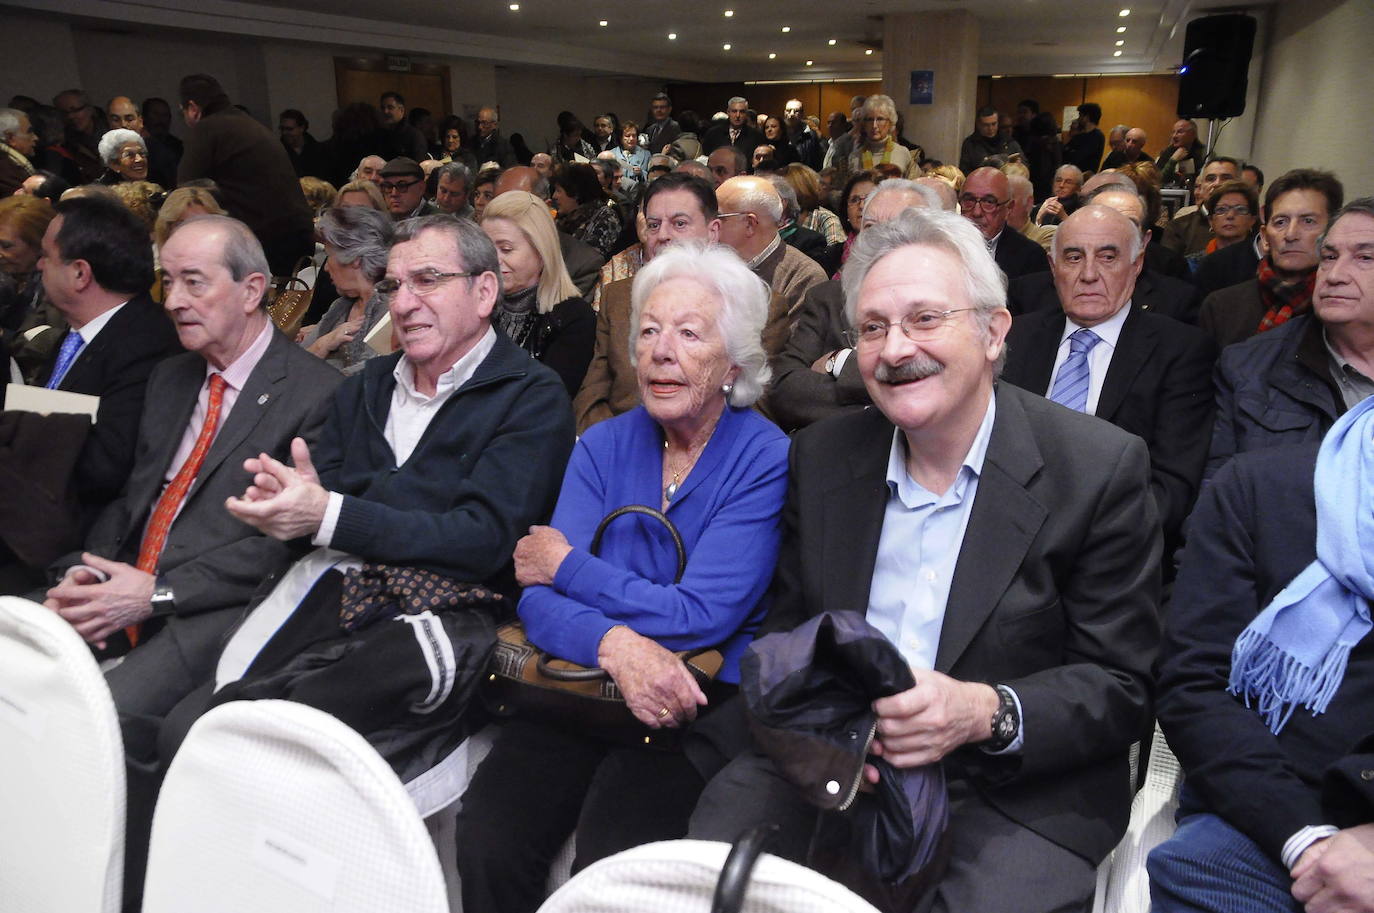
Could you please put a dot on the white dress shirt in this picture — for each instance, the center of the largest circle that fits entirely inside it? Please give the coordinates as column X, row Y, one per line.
column 1099, row 359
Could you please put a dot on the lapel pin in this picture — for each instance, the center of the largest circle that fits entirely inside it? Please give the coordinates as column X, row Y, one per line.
column 262, row 399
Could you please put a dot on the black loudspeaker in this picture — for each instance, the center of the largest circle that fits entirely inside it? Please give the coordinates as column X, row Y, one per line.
column 1216, row 58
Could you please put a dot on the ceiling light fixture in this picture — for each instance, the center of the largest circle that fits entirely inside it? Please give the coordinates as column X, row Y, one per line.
column 603, row 23
column 772, row 56
column 1124, row 13
column 810, row 62
column 786, row 29
column 1120, row 43
column 729, row 13
column 1116, row 53
column 831, row 42
column 725, row 47
column 515, row 7
column 1121, row 29
column 672, row 36
column 869, row 52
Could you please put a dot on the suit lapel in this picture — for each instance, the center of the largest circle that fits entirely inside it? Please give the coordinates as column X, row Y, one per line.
column 852, row 518
column 1042, row 346
column 254, row 402
column 1134, row 347
column 1001, row 527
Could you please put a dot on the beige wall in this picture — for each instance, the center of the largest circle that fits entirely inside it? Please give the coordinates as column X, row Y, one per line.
column 1317, row 92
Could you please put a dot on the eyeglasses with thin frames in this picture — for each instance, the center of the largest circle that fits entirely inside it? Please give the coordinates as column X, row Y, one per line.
column 919, row 326
column 420, row 284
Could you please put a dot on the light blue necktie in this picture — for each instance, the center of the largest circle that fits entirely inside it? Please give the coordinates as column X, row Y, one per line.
column 1071, row 386
column 71, row 347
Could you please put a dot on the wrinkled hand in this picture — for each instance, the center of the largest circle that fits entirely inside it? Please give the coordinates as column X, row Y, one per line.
column 336, row 337
column 304, row 332
column 1336, row 875
column 539, row 555
column 95, row 609
column 923, row 724
column 1179, row 154
column 283, row 501
column 1052, row 207
column 651, row 678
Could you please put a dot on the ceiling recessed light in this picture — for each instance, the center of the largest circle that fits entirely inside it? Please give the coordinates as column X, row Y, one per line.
column 772, row 56
column 869, row 52
column 729, row 13
column 786, row 29
column 1116, row 53
column 810, row 62
column 672, row 36
column 831, row 42
column 515, row 7
column 1121, row 29
column 603, row 23
column 1120, row 43
column 1124, row 13
column 725, row 47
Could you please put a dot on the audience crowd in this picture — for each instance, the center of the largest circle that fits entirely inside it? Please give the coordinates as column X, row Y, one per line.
column 1010, row 459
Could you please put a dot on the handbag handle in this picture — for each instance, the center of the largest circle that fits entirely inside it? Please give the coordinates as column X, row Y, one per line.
column 739, row 866
column 594, row 674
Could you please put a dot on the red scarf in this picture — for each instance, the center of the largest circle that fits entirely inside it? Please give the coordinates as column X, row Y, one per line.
column 1283, row 298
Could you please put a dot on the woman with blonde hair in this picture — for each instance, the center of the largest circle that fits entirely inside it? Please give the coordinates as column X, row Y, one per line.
column 951, row 175
column 361, row 193
column 540, row 309
column 180, row 205
column 319, row 194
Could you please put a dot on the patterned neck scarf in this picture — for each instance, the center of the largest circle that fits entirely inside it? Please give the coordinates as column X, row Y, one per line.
column 1283, row 298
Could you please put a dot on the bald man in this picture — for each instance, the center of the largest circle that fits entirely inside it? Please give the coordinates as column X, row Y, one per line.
column 1102, row 354
column 750, row 211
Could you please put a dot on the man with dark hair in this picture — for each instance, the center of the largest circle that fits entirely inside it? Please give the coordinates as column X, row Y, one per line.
column 985, row 141
column 97, row 268
column 251, row 169
column 676, row 207
column 1026, row 109
column 727, row 162
column 1297, row 208
column 1251, row 175
column 451, row 189
column 1288, row 384
column 157, row 121
column 1086, row 141
column 661, row 131
column 81, row 132
column 309, row 156
column 405, row 139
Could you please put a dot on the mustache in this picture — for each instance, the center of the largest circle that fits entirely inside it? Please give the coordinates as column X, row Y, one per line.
column 919, row 367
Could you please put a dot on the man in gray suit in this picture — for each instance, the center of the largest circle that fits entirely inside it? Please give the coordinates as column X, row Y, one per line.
column 172, row 571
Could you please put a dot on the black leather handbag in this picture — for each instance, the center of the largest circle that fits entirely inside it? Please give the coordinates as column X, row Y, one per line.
column 524, row 681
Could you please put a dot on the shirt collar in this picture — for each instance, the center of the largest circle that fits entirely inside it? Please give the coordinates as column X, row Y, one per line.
column 450, row 380
column 765, row 253
column 1109, row 330
column 910, row 492
column 94, row 326
column 236, row 375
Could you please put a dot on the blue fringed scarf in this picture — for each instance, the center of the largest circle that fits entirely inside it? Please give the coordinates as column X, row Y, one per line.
column 1295, row 651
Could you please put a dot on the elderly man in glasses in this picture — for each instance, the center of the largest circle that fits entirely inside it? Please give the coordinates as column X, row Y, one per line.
column 403, row 186
column 986, row 202
column 1007, row 547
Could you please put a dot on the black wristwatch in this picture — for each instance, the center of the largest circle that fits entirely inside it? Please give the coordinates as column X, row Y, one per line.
column 163, row 602
column 1006, row 721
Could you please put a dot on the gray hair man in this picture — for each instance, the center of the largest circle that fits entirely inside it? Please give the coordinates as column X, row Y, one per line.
column 1068, row 181
column 735, row 131
column 750, row 215
column 17, row 145
column 451, row 190
column 926, row 302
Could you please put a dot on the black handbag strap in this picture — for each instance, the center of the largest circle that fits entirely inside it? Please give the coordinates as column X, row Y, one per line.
column 595, row 674
column 739, row 866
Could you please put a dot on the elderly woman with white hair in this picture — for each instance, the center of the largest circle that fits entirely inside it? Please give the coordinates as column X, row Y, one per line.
column 877, row 143
column 718, row 470
column 125, row 156
column 357, row 240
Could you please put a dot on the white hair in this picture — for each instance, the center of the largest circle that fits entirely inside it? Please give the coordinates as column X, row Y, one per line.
column 114, row 140
column 1021, row 187
column 753, row 198
column 881, row 104
column 984, row 282
column 1069, row 169
column 9, row 122
column 902, row 185
column 738, row 100
column 744, row 301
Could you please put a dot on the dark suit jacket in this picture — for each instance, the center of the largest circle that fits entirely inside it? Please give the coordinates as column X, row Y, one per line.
column 115, row 367
column 495, row 148
column 1154, row 292
column 798, row 395
column 1054, row 594
column 211, row 560
column 1227, row 267
column 1018, row 255
column 750, row 138
column 1158, row 386
column 1162, row 260
column 1232, row 314
column 583, row 262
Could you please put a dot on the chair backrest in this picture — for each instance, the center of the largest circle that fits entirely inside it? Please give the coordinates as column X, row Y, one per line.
column 679, row 876
column 1127, row 888
column 61, row 769
column 272, row 805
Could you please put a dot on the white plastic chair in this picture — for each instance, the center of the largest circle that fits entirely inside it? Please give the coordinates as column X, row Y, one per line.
column 679, row 876
column 276, row 806
column 1127, row 886
column 61, row 769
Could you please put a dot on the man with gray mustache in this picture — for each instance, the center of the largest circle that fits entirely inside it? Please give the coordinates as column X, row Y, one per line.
column 1007, row 547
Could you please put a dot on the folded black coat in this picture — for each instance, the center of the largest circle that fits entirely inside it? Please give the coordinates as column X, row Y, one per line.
column 809, row 694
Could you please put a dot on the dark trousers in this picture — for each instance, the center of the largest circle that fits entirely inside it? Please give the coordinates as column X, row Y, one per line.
column 1208, row 866
column 994, row 862
column 537, row 786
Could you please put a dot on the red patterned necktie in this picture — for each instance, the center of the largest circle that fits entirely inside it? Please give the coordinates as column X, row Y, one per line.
column 155, row 538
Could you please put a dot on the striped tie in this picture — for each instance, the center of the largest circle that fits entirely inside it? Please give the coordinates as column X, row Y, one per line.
column 1071, row 385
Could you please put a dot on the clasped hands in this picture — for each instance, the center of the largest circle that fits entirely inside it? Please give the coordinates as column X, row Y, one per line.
column 285, row 502
column 923, row 724
column 97, row 606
